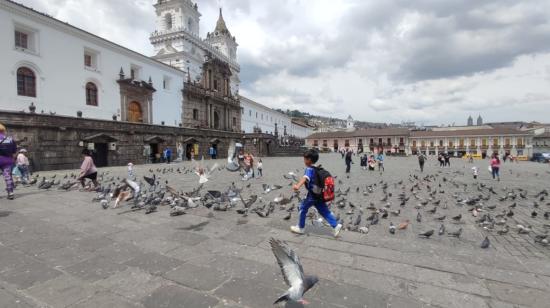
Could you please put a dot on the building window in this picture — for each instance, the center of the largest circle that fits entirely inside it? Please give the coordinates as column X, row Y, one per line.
column 495, row 142
column 21, row 39
column 389, row 141
column 234, row 122
column 91, row 94
column 346, row 143
column 168, row 20
column 25, row 38
column 315, row 143
column 441, row 143
column 216, row 84
column 371, row 141
column 195, row 114
column 87, row 60
column 325, row 143
column 414, row 143
column 166, row 83
column 432, row 144
column 250, row 113
column 256, row 115
column 26, row 82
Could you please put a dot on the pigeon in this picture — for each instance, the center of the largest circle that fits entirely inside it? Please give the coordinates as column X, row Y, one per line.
column 455, row 234
column 403, row 225
column 441, row 230
column 457, row 217
column 177, row 211
column 392, row 228
column 427, row 234
column 293, row 273
column 485, row 244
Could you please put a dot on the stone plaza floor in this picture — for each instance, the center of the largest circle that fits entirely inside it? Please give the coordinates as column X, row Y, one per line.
column 60, row 249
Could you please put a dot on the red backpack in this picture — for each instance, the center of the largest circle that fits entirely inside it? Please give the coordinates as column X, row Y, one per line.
column 324, row 185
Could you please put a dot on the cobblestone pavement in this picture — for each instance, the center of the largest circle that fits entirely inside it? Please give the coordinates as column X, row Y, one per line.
column 58, row 249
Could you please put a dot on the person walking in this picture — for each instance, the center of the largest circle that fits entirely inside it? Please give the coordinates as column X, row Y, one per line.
column 421, row 161
column 348, row 161
column 309, row 181
column 22, row 163
column 447, row 158
column 441, row 160
column 88, row 169
column 168, row 155
column 260, row 168
column 495, row 167
column 212, row 152
column 380, row 159
column 8, row 149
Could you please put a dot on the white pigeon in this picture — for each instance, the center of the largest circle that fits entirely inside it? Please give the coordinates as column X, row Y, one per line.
column 204, row 173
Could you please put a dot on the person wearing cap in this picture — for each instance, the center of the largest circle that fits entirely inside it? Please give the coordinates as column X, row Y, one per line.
column 22, row 163
column 8, row 149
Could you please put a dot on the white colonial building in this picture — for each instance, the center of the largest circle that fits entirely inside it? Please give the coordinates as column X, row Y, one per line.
column 65, row 70
column 260, row 118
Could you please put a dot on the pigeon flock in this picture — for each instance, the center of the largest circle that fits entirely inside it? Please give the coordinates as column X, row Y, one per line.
column 438, row 204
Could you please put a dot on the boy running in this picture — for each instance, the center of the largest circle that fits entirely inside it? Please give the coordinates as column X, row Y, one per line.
column 309, row 180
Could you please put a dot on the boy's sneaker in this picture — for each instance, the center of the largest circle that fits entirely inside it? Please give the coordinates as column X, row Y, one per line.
column 297, row 230
column 337, row 230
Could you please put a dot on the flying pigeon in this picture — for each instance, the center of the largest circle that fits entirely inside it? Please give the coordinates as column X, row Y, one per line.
column 293, row 273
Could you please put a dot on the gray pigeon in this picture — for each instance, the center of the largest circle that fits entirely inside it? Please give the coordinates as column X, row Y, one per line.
column 293, row 273
column 485, row 244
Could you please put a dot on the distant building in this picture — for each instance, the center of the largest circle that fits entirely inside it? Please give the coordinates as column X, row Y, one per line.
column 470, row 121
column 457, row 141
column 350, row 124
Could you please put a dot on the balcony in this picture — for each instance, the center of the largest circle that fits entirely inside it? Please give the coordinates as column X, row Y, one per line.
column 197, row 90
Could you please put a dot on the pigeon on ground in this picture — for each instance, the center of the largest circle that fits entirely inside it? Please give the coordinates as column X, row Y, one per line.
column 293, row 273
column 427, row 234
column 485, row 244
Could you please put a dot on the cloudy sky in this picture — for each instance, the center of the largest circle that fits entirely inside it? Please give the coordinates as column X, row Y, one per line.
column 428, row 61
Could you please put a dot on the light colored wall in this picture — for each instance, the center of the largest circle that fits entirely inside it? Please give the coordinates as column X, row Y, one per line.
column 265, row 119
column 61, row 75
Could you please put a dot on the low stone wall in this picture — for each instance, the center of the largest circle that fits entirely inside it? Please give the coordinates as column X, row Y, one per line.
column 56, row 142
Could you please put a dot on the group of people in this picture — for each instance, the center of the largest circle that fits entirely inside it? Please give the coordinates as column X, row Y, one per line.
column 444, row 160
column 246, row 162
column 369, row 162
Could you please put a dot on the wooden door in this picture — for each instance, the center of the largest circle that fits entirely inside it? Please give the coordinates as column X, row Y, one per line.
column 135, row 114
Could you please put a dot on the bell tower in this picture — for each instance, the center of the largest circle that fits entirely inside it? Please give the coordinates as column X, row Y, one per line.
column 176, row 20
column 222, row 39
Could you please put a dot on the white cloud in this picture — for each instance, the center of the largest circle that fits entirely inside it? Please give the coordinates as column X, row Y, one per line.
column 382, row 61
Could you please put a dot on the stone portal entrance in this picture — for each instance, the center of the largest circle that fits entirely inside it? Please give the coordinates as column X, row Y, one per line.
column 136, row 100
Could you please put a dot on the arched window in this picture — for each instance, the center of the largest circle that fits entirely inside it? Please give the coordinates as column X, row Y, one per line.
column 91, row 94
column 26, row 82
column 168, row 20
